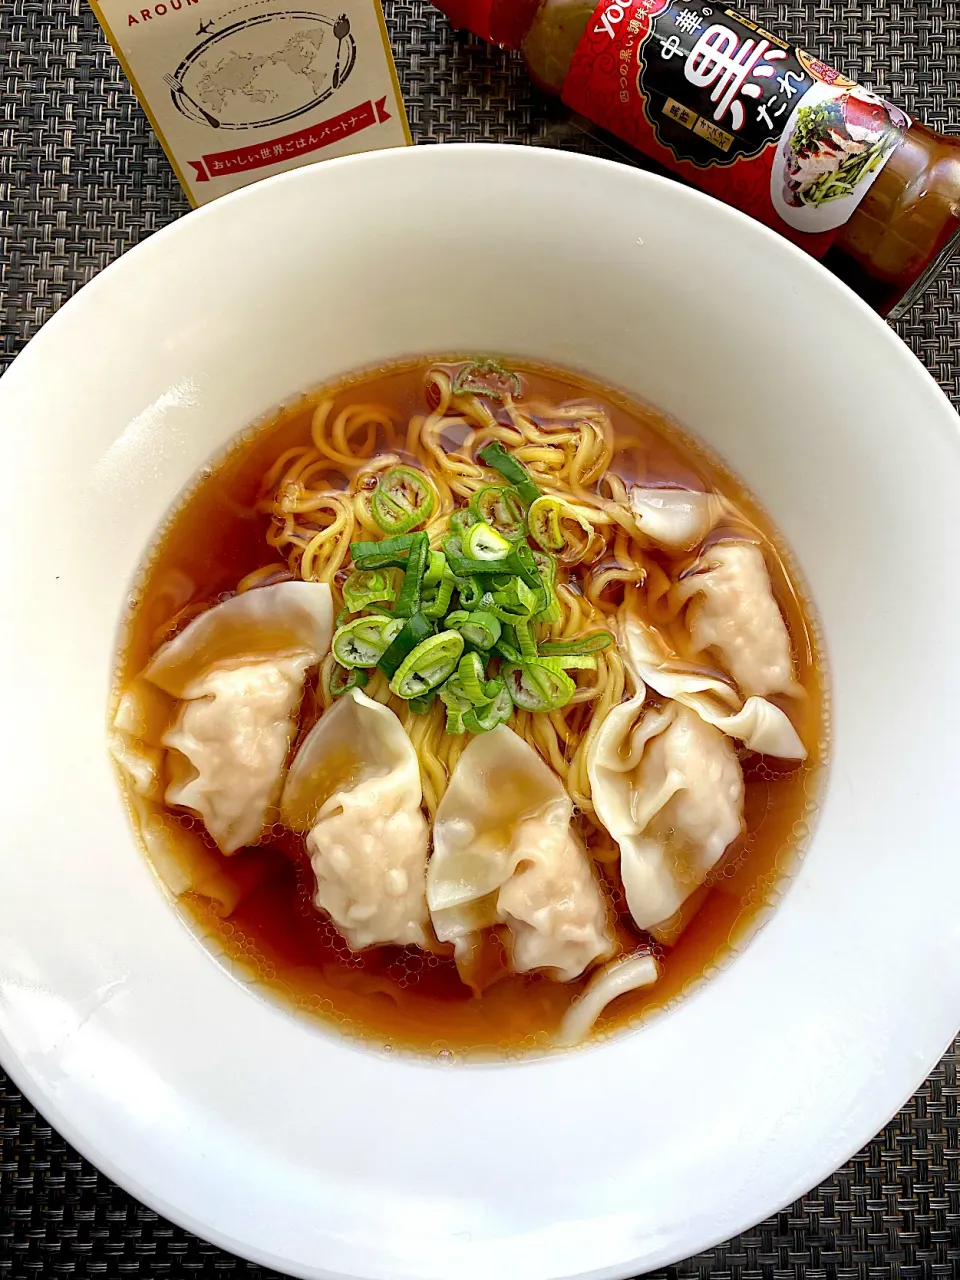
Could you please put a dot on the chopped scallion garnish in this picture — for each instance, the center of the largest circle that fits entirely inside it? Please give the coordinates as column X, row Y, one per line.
column 428, row 665
column 363, row 642
column 406, row 640
column 404, row 499
column 496, row 456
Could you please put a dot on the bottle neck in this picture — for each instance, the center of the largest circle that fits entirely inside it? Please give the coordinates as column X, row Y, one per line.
column 503, row 22
column 510, row 20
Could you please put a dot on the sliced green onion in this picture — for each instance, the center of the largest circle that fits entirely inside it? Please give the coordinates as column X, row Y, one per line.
column 369, row 586
column 499, row 505
column 436, row 602
column 513, row 602
column 560, row 527
column 534, row 687
column 471, row 674
column 482, row 542
column 550, row 613
column 508, row 646
column 545, row 528
column 496, row 712
column 518, row 563
column 363, row 642
column 457, row 704
column 389, row 553
column 436, row 569
column 462, row 519
column 523, row 563
column 428, row 666
column 469, row 380
column 423, row 705
column 408, row 601
column 472, row 678
column 549, row 610
column 546, row 565
column 453, row 547
column 470, row 591
column 343, row 679
column 412, row 632
column 403, row 499
column 525, row 640
column 591, row 643
column 496, row 456
column 460, row 563
column 570, row 662
column 480, row 629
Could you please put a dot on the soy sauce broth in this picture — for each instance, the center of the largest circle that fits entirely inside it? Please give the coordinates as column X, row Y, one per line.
column 401, row 997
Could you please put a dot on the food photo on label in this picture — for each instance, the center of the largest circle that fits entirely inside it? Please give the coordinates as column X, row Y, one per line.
column 734, row 109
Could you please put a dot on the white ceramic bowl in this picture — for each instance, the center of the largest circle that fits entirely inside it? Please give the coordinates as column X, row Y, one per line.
column 271, row 1136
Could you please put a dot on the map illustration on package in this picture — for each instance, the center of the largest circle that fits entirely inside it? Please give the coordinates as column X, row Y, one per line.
column 237, row 92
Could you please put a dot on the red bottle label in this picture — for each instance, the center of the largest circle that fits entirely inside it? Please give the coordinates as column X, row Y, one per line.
column 736, row 111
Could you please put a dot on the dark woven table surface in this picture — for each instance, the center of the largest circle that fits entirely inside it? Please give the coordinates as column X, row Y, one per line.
column 82, row 179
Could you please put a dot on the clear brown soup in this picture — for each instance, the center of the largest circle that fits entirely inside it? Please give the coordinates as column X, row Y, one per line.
column 404, row 998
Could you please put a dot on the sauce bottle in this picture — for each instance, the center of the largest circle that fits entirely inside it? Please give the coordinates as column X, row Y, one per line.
column 737, row 111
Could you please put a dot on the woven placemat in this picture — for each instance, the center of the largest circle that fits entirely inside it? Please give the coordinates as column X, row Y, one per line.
column 82, row 179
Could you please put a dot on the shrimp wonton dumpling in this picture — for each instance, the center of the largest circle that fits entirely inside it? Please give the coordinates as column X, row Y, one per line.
column 732, row 612
column 237, row 672
column 354, row 786
column 669, row 789
column 675, row 518
column 139, row 722
column 505, row 854
column 757, row 723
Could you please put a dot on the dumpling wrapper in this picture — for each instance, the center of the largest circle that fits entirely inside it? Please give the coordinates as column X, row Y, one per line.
column 180, row 857
column 678, row 519
column 229, row 744
column 238, row 672
column 668, row 787
column 355, row 787
column 757, row 723
column 505, row 854
column 143, row 714
column 732, row 612
column 286, row 620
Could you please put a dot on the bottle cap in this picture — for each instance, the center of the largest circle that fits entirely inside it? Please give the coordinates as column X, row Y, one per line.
column 503, row 22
